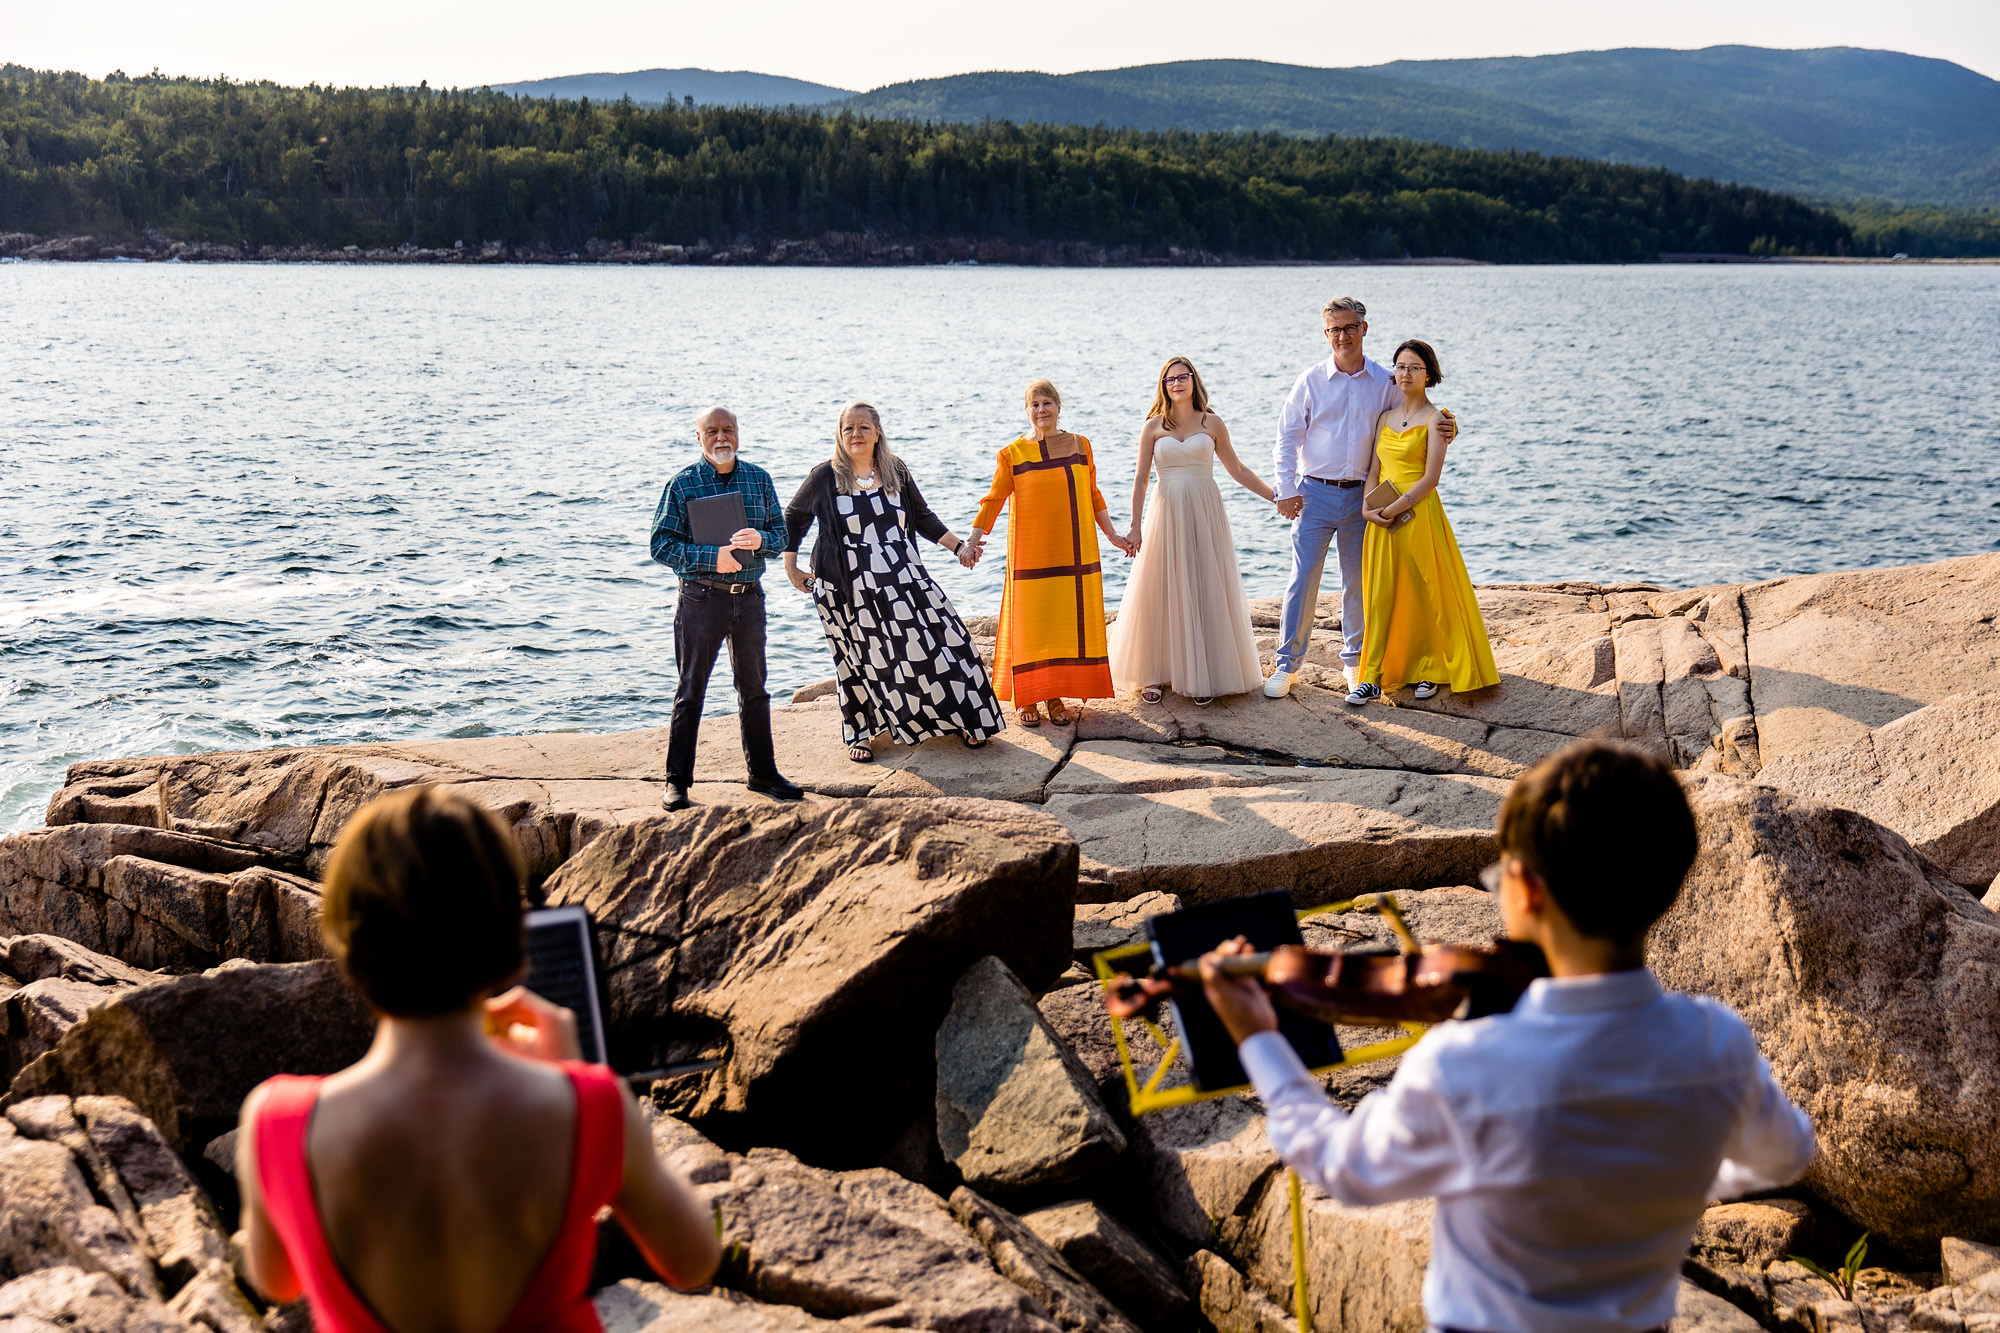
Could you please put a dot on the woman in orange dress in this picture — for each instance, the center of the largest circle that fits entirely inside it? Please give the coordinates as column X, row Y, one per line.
column 1052, row 639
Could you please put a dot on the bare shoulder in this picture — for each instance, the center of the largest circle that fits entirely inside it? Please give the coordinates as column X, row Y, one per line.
column 1214, row 425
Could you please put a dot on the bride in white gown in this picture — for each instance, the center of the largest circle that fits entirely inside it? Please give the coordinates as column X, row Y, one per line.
column 1183, row 624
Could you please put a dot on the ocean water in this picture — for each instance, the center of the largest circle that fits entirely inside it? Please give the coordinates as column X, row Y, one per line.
column 248, row 505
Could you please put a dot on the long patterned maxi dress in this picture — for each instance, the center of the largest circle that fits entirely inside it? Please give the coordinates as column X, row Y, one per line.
column 1051, row 642
column 902, row 658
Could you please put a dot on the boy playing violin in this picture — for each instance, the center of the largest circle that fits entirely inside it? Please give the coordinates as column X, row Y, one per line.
column 1573, row 1142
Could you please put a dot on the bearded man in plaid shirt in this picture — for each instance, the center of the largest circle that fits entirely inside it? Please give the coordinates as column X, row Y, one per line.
column 721, row 600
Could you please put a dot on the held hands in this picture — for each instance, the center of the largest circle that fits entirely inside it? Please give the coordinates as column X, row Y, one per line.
column 522, row 1023
column 1132, row 539
column 1290, row 509
column 1242, row 1003
column 969, row 550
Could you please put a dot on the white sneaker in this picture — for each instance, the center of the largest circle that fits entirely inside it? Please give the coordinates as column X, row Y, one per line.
column 1426, row 689
column 1353, row 677
column 1280, row 683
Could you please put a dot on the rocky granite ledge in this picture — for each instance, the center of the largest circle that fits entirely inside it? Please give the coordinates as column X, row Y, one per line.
column 980, row 1169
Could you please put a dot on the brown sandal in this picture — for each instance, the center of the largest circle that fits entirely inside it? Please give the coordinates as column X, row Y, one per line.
column 1031, row 716
column 1060, row 713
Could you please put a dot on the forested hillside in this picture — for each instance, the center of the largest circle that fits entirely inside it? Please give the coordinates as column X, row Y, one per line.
column 266, row 165
column 655, row 87
column 1838, row 123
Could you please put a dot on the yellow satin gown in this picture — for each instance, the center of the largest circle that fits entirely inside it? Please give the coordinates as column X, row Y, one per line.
column 1422, row 621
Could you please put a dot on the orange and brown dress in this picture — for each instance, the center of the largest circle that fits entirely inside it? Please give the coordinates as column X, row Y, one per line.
column 1051, row 640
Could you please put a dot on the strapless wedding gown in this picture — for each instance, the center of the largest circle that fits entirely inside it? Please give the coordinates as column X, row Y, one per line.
column 1184, row 623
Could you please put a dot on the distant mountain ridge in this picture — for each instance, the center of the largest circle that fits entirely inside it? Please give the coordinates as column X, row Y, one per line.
column 1835, row 123
column 652, row 87
column 1838, row 123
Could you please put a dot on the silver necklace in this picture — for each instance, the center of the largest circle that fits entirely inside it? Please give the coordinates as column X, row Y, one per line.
column 1404, row 424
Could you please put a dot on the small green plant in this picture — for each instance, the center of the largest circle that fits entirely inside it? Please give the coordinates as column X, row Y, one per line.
column 1843, row 1281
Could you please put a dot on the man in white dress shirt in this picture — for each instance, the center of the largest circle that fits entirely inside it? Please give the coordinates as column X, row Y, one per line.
column 1573, row 1142
column 1326, row 437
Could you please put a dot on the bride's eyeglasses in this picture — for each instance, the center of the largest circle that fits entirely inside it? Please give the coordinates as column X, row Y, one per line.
column 1177, row 379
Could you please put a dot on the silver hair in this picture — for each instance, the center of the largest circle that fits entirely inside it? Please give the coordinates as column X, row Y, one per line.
column 886, row 464
column 1344, row 303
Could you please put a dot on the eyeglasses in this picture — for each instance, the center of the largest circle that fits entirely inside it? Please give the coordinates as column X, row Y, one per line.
column 1178, row 379
column 1343, row 330
column 1489, row 878
column 1401, row 369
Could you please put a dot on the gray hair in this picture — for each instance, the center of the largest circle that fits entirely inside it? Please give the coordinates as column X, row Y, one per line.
column 886, row 463
column 1344, row 303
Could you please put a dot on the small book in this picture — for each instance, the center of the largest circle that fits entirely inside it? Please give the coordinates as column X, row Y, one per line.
column 1382, row 497
column 714, row 520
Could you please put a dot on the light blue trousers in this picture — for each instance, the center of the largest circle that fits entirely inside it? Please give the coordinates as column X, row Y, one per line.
column 1332, row 515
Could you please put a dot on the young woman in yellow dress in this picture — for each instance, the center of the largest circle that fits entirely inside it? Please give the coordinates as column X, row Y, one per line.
column 1423, row 623
column 1051, row 640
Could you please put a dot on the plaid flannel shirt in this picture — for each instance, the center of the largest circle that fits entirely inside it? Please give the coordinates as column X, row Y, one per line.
column 675, row 548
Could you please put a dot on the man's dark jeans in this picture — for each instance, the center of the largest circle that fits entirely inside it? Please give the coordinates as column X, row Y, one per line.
column 707, row 618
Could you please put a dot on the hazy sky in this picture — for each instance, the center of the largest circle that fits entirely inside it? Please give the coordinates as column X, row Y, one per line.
column 866, row 43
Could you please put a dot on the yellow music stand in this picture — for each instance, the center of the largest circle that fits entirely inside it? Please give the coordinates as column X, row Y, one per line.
column 1152, row 1096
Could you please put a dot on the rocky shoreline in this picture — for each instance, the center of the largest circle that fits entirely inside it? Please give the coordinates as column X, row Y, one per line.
column 980, row 1169
column 851, row 249
column 835, row 249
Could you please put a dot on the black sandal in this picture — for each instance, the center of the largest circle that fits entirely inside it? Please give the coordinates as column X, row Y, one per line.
column 861, row 754
column 972, row 744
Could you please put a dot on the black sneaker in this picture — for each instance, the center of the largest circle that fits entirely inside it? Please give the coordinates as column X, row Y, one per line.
column 777, row 788
column 1364, row 693
column 676, row 798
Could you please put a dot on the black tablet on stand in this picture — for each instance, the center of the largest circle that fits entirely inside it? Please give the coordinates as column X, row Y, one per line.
column 1267, row 920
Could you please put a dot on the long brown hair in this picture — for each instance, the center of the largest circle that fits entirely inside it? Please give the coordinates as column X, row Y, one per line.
column 1163, row 406
column 886, row 464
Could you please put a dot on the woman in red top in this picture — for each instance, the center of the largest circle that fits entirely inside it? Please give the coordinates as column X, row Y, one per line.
column 449, row 1182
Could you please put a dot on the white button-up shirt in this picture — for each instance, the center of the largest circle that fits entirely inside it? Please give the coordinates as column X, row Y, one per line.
column 1327, row 426
column 1571, row 1145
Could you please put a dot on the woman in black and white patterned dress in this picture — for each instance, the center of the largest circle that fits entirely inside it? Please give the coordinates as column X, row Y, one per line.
column 902, row 658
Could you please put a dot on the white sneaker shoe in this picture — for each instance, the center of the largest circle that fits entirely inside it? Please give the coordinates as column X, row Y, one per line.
column 1426, row 689
column 1280, row 683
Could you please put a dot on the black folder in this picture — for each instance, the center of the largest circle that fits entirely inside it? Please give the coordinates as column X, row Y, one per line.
column 1268, row 920
column 714, row 519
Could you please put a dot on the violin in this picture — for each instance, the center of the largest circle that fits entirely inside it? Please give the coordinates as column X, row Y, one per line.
column 1433, row 983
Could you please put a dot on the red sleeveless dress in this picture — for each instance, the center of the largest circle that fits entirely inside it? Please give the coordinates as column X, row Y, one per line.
column 556, row 1299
